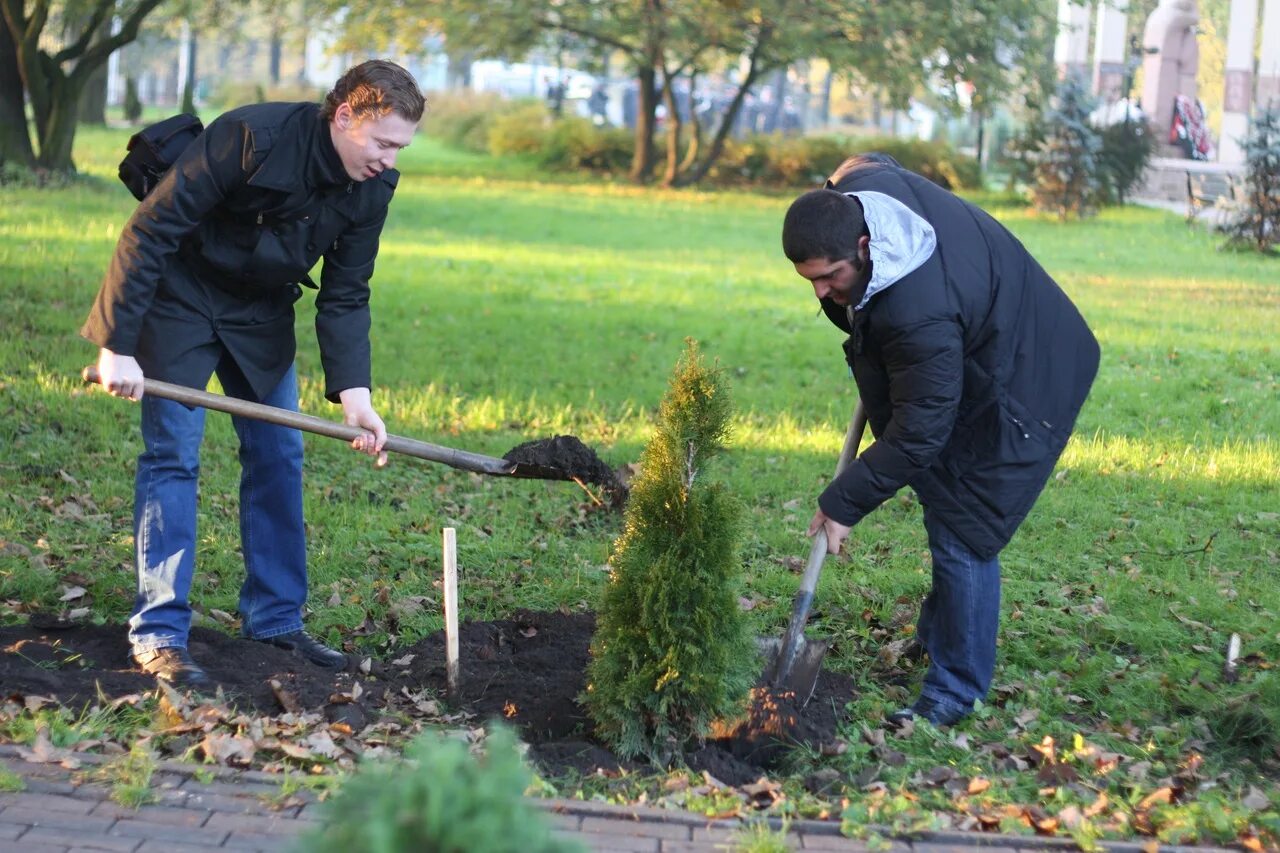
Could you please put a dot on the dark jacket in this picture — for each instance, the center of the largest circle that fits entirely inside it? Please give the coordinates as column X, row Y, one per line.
column 972, row 367
column 213, row 257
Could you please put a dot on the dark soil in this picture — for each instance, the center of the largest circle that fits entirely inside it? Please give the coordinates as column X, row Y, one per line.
column 564, row 457
column 527, row 670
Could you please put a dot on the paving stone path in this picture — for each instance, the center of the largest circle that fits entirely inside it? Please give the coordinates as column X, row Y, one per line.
column 200, row 809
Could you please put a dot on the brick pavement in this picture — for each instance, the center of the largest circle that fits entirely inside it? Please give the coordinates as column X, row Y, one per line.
column 204, row 809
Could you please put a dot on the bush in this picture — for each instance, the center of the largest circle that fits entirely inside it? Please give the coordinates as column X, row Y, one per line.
column 1067, row 163
column 230, row 94
column 523, row 130
column 671, row 653
column 803, row 161
column 1126, row 149
column 1253, row 220
column 462, row 119
column 575, row 144
column 437, row 798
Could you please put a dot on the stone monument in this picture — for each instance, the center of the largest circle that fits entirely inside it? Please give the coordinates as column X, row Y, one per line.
column 1170, row 69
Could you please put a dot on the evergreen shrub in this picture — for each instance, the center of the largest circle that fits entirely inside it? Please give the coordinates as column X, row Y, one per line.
column 1068, row 160
column 439, row 798
column 1252, row 221
column 671, row 653
column 1067, row 167
column 1126, row 150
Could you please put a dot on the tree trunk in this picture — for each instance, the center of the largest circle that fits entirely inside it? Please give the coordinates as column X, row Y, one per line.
column 276, row 49
column 695, row 127
column 642, row 153
column 189, row 82
column 675, row 126
column 825, row 109
column 779, row 85
column 93, row 100
column 458, row 74
column 722, row 133
column 58, row 133
column 15, row 141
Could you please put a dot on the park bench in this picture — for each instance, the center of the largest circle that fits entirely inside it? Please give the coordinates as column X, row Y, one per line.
column 1204, row 189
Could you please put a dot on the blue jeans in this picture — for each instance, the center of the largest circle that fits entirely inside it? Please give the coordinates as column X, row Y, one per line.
column 272, row 535
column 958, row 620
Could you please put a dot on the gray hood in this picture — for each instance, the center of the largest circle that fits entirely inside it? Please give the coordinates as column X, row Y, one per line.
column 901, row 241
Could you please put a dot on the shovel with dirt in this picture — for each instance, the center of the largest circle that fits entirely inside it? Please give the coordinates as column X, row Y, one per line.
column 794, row 661
column 560, row 458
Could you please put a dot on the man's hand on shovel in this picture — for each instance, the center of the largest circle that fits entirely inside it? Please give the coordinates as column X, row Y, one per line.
column 357, row 410
column 836, row 532
column 120, row 374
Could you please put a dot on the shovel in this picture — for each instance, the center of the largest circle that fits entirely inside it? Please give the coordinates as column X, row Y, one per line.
column 794, row 662
column 309, row 423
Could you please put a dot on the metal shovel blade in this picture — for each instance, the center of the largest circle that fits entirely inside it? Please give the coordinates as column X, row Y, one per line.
column 795, row 662
column 802, row 679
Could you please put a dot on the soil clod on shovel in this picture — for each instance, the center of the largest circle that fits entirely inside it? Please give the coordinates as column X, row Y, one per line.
column 567, row 454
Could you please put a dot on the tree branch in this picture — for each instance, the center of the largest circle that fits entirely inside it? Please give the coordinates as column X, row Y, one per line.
column 78, row 47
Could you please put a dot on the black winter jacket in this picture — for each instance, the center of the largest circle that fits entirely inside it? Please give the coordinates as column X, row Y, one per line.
column 972, row 367
column 213, row 257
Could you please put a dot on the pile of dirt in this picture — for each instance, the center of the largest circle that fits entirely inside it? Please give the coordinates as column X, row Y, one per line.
column 527, row 670
column 565, row 456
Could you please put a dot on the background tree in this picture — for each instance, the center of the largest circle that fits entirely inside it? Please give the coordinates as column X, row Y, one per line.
column 1253, row 220
column 15, row 144
column 54, row 77
column 671, row 653
column 1067, row 167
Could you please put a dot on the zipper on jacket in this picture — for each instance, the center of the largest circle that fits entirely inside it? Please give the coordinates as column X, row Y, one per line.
column 259, row 218
column 1021, row 428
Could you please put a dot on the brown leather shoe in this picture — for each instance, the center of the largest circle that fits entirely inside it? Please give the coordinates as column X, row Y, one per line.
column 175, row 666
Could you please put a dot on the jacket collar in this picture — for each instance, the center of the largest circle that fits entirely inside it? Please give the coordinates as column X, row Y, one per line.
column 291, row 144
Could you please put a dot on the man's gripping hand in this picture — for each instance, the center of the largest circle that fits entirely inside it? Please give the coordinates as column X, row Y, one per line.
column 120, row 374
column 357, row 410
column 836, row 532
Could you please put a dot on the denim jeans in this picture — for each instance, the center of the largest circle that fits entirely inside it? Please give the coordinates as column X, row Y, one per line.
column 272, row 535
column 958, row 620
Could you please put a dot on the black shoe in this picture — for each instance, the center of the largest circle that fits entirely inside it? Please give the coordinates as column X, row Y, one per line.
column 938, row 715
column 309, row 648
column 175, row 666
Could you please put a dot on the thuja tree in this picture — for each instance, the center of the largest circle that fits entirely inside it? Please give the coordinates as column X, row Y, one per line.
column 1067, row 166
column 671, row 653
column 439, row 797
column 1253, row 220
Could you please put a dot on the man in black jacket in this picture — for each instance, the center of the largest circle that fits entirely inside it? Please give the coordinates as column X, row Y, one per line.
column 203, row 281
column 972, row 365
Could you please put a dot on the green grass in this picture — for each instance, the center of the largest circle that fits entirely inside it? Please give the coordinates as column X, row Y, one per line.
column 507, row 309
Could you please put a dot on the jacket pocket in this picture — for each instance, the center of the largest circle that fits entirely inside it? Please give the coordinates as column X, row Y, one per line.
column 1001, row 458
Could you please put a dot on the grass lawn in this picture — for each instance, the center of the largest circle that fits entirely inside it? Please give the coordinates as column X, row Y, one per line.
column 507, row 309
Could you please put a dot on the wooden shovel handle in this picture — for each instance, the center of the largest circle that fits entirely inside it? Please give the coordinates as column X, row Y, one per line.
column 450, row 456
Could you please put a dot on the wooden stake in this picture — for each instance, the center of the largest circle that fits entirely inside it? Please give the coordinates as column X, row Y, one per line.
column 451, row 611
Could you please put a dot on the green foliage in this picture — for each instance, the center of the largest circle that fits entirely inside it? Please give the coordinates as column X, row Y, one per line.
column 521, row 130
column 230, row 94
column 462, row 120
column 487, row 123
column 439, row 797
column 1253, row 221
column 1126, row 149
column 576, row 145
column 1067, row 168
column 132, row 103
column 671, row 652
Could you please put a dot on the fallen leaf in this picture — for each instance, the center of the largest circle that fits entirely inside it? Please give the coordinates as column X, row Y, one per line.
column 404, row 661
column 1160, row 795
column 1255, row 800
column 978, row 784
column 226, row 749
column 44, row 752
column 287, row 700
